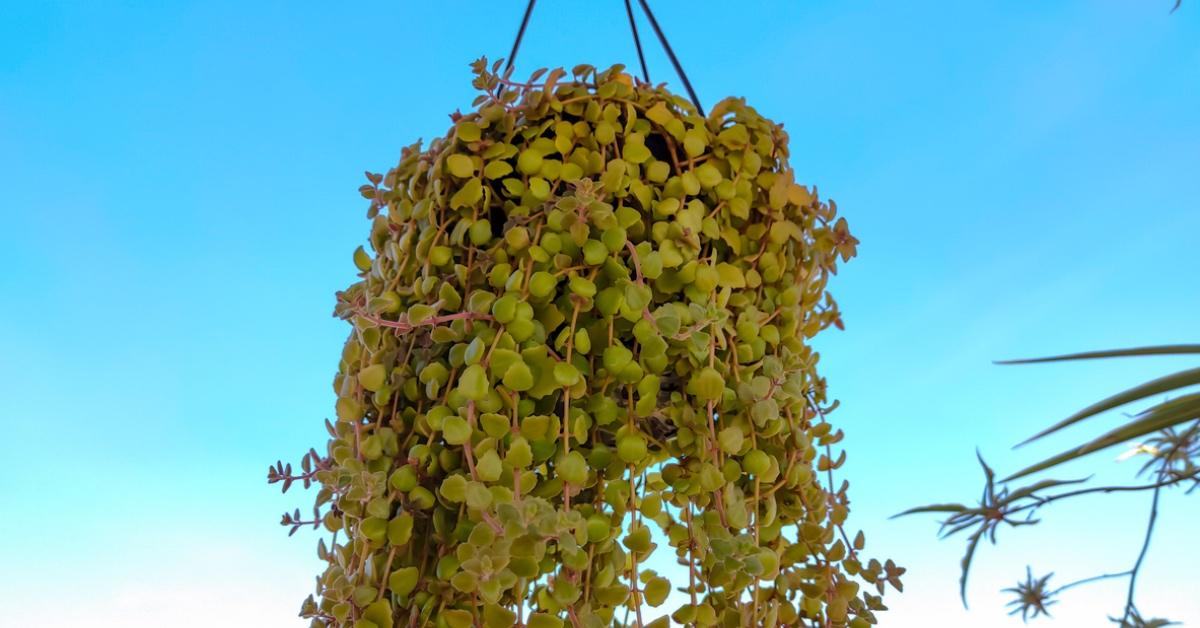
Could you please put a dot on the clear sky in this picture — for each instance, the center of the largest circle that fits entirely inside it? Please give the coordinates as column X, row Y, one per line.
column 178, row 205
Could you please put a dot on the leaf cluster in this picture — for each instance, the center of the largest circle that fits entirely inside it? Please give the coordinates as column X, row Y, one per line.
column 583, row 315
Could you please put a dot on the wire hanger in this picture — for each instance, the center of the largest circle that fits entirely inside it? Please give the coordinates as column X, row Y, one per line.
column 637, row 42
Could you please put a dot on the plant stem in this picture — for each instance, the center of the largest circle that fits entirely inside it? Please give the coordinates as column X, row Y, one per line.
column 1133, row 573
column 1119, row 574
column 1109, row 489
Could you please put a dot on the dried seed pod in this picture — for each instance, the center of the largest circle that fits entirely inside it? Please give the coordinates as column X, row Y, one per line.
column 583, row 320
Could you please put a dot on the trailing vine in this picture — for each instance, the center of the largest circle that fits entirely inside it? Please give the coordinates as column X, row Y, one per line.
column 582, row 321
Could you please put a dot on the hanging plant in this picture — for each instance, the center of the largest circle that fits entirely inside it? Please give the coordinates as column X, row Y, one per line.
column 580, row 334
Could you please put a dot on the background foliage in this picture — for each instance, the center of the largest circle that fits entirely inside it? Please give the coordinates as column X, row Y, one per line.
column 1170, row 431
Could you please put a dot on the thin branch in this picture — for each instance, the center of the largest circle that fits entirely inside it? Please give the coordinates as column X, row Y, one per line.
column 637, row 263
column 1141, row 555
column 1107, row 576
column 1042, row 501
column 403, row 326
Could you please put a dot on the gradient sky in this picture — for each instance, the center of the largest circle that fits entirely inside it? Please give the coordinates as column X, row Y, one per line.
column 178, row 205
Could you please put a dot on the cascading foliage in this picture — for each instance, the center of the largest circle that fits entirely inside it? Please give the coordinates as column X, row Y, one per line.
column 582, row 317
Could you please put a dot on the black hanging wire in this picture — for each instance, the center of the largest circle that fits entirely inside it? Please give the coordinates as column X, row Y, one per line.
column 637, row 41
column 671, row 55
column 512, row 56
column 662, row 39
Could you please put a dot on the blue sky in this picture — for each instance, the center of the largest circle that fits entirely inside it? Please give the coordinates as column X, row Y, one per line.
column 178, row 204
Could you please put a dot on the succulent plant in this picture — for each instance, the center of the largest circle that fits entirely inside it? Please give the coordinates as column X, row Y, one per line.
column 580, row 331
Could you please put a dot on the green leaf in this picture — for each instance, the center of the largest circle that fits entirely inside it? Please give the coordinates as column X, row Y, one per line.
column 1159, row 417
column 966, row 564
column 542, row 284
column 635, row 153
column 464, row 582
column 498, row 617
column 656, row 590
column 478, row 496
column 361, row 259
column 403, row 580
column 373, row 377
column 756, row 462
column 505, row 308
column 529, row 161
column 519, row 377
column 735, row 136
column 932, row 508
column 659, row 114
column 489, row 467
column 694, row 142
column 594, row 252
column 1158, row 386
column 565, row 374
column 1112, row 353
column 544, row 620
column 519, row 453
column 616, row 357
column 457, row 618
column 497, row 169
column 631, row 447
column 419, row 313
column 404, row 479
column 467, row 131
column 467, row 195
column 573, row 469
column 496, row 425
column 480, row 233
column 421, row 498
column 514, row 187
column 379, row 612
column 637, row 297
column 1027, row 491
column 988, row 473
column 730, row 276
column 708, row 174
column 539, row 188
column 638, row 539
column 473, row 382
column 658, row 171
column 454, row 488
column 374, row 528
column 399, row 529
column 599, row 527
column 730, row 439
column 348, row 410
column 460, row 166
column 605, row 133
column 708, row 384
column 455, row 430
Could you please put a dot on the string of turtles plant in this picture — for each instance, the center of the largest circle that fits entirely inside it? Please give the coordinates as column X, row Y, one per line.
column 585, row 312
